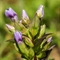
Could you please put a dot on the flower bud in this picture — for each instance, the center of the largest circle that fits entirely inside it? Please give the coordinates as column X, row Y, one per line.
column 23, row 49
column 24, row 15
column 31, row 53
column 49, row 40
column 28, row 42
column 40, row 11
column 10, row 13
column 25, row 18
column 42, row 31
column 20, row 21
column 18, row 36
column 46, row 47
column 10, row 28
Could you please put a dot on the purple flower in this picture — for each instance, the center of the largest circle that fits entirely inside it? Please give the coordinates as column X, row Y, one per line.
column 49, row 40
column 24, row 15
column 10, row 28
column 40, row 11
column 18, row 36
column 25, row 18
column 10, row 13
column 20, row 21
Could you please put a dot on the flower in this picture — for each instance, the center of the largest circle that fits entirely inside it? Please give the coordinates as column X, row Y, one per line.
column 18, row 36
column 20, row 21
column 49, row 40
column 10, row 13
column 24, row 15
column 40, row 11
column 10, row 28
column 25, row 18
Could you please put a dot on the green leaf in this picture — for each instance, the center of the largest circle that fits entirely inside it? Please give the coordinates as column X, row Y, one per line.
column 42, row 31
column 28, row 42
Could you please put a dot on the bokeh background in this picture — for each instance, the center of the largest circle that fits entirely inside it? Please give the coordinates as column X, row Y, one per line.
column 51, row 19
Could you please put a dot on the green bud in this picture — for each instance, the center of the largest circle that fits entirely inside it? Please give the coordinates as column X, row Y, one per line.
column 23, row 49
column 45, row 47
column 34, row 26
column 43, row 42
column 28, row 41
column 31, row 53
column 33, row 31
column 41, row 55
column 42, row 31
column 47, row 42
column 29, row 35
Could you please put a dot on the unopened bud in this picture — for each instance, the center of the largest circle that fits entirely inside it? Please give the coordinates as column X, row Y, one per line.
column 28, row 41
column 10, row 13
column 49, row 40
column 25, row 18
column 23, row 49
column 31, row 53
column 40, row 11
column 42, row 31
column 18, row 36
column 20, row 21
column 10, row 28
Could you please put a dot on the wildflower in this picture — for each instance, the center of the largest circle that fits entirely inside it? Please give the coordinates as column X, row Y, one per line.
column 25, row 18
column 18, row 36
column 49, row 40
column 24, row 15
column 10, row 13
column 22, row 47
column 40, row 11
column 10, row 28
column 20, row 21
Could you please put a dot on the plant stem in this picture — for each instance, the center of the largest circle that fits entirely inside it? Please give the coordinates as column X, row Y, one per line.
column 35, row 58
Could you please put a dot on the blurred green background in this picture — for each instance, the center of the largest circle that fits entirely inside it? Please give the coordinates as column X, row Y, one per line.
column 51, row 19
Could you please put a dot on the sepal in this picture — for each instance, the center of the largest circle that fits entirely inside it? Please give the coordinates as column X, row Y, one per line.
column 28, row 42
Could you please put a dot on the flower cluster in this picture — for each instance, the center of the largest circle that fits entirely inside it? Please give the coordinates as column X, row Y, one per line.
column 30, row 37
